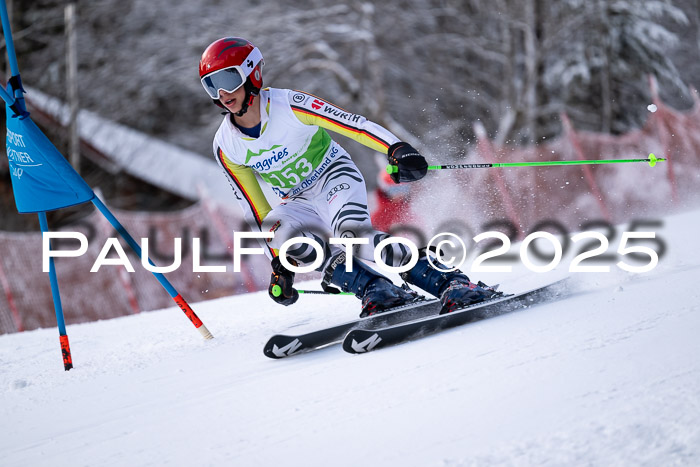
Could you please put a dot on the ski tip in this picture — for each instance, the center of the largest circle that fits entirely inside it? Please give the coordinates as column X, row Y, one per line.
column 281, row 346
column 359, row 341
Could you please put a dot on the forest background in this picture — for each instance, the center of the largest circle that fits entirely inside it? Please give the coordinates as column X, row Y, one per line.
column 425, row 69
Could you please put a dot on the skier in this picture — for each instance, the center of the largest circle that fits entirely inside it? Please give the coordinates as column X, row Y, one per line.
column 280, row 134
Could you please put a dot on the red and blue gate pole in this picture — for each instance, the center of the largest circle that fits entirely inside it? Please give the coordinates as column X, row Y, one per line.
column 65, row 345
column 181, row 302
column 16, row 103
column 51, row 183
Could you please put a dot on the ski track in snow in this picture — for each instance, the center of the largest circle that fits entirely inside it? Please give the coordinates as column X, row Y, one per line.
column 609, row 375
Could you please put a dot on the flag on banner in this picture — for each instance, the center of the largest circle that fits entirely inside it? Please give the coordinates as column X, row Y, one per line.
column 42, row 179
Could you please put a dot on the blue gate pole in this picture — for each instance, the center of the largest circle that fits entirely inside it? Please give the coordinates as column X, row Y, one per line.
column 6, row 96
column 9, row 44
column 18, row 104
column 65, row 345
column 184, row 306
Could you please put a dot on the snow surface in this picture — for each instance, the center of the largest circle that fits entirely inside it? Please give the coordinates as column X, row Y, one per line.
column 608, row 376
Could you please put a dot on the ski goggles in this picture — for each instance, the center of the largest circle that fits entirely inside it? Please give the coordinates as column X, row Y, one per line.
column 231, row 78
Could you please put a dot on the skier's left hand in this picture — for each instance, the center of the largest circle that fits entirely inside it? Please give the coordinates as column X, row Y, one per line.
column 411, row 165
column 281, row 281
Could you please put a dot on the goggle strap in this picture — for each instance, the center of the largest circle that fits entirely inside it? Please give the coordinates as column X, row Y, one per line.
column 251, row 60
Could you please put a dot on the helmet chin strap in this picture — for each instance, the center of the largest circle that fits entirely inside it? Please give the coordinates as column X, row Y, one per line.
column 250, row 93
column 244, row 108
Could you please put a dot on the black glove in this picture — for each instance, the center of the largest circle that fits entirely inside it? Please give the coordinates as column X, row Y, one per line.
column 411, row 165
column 281, row 282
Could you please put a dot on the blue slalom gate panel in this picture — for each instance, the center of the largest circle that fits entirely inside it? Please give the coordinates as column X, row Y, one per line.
column 42, row 179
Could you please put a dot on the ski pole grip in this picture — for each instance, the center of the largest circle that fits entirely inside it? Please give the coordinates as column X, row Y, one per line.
column 276, row 290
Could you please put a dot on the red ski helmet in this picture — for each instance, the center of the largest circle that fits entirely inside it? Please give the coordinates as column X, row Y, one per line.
column 229, row 63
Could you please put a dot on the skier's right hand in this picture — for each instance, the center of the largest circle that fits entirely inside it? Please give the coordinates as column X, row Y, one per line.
column 281, row 281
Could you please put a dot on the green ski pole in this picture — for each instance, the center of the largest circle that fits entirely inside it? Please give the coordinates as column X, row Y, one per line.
column 277, row 291
column 652, row 160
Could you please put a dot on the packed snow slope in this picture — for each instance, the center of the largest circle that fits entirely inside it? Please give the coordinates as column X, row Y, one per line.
column 609, row 375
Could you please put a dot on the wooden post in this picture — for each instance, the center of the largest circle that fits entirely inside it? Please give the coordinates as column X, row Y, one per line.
column 16, row 317
column 72, row 85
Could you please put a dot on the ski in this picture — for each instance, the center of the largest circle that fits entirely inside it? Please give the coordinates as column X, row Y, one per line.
column 281, row 346
column 359, row 341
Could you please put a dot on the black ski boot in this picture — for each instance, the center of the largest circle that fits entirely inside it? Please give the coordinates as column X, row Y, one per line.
column 377, row 293
column 454, row 289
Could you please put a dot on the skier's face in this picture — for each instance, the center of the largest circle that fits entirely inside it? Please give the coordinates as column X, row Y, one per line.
column 233, row 101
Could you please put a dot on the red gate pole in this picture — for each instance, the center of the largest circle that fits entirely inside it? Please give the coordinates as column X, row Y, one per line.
column 587, row 172
column 486, row 149
column 663, row 131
